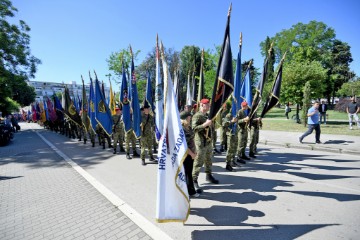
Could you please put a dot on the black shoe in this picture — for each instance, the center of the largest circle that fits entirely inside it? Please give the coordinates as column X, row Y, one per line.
column 93, row 144
column 245, row 157
column 152, row 159
column 155, row 150
column 252, row 155
column 110, row 146
column 318, row 142
column 143, row 162
column 197, row 187
column 229, row 167
column 233, row 164
column 216, row 151
column 84, row 141
column 222, row 149
column 211, row 179
column 135, row 154
column 122, row 149
column 114, row 151
column 300, row 139
column 128, row 156
column 240, row 161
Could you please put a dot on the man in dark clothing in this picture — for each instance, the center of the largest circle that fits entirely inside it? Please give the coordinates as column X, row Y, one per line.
column 322, row 111
column 352, row 110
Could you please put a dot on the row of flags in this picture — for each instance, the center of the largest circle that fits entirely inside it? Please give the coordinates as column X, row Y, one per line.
column 172, row 195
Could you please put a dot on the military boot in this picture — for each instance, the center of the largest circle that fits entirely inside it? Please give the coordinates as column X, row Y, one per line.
column 197, row 187
column 155, row 150
column 135, row 154
column 211, row 179
column 222, row 149
column 114, row 151
column 93, row 144
column 251, row 154
column 128, row 156
column 143, row 162
column 122, row 149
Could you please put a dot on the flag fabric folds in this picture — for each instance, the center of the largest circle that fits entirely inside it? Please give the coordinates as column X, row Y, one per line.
column 223, row 85
column 51, row 109
column 236, row 100
column 274, row 97
column 148, row 93
column 102, row 111
column 124, row 99
column 172, row 195
column 159, row 96
column 135, row 105
column 91, row 105
column 84, row 109
column 188, row 93
column 70, row 110
column 201, row 82
column 246, row 93
column 112, row 103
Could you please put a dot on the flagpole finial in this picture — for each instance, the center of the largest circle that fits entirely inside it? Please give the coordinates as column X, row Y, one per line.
column 131, row 52
column 271, row 47
column 240, row 41
column 229, row 12
column 250, row 63
column 283, row 58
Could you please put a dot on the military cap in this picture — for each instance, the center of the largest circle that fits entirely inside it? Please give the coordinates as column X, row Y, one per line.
column 146, row 104
column 243, row 104
column 204, row 101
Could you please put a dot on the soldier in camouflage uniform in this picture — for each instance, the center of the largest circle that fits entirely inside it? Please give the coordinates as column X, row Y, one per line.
column 201, row 126
column 242, row 119
column 118, row 130
column 254, row 135
column 224, row 130
column 102, row 136
column 147, row 133
column 130, row 138
column 228, row 123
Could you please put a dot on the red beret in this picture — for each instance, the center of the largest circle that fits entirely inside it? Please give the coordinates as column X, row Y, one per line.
column 244, row 104
column 117, row 109
column 204, row 101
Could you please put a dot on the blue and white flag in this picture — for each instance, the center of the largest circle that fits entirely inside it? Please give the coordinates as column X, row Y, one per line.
column 245, row 93
column 172, row 195
column 159, row 97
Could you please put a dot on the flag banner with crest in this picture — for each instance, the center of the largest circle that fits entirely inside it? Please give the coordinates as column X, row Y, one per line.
column 135, row 105
column 124, row 99
column 70, row 109
column 91, row 105
column 51, row 109
column 159, row 96
column 148, row 93
column 224, row 81
column 102, row 111
column 172, row 195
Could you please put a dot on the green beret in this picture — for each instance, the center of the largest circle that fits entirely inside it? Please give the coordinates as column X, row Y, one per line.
column 184, row 115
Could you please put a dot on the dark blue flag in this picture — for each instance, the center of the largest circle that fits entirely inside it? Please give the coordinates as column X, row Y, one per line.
column 135, row 101
column 91, row 105
column 148, row 94
column 102, row 111
column 124, row 99
column 236, row 100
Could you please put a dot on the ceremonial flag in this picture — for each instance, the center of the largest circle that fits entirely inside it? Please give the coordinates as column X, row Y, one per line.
column 76, row 103
column 236, row 100
column 38, row 110
column 57, row 103
column 274, row 96
column 52, row 111
column 188, row 94
column 223, row 85
column 124, row 99
column 46, row 111
column 259, row 89
column 136, row 114
column 91, row 105
column 176, row 84
column 84, row 109
column 102, row 111
column 246, row 93
column 112, row 103
column 172, row 195
column 159, row 96
column 201, row 82
column 148, row 93
column 33, row 110
column 42, row 112
column 193, row 84
column 70, row 110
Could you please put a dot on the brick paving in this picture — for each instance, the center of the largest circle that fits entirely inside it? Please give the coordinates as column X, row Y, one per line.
column 42, row 197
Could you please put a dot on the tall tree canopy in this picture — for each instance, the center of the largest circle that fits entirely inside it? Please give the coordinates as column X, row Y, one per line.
column 17, row 64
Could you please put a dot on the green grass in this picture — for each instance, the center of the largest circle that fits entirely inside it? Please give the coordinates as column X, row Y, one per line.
column 337, row 123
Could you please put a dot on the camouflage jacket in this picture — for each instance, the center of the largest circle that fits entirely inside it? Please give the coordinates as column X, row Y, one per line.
column 202, row 134
column 147, row 125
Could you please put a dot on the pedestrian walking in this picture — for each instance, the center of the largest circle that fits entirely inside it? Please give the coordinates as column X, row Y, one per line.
column 313, row 123
column 322, row 110
column 352, row 110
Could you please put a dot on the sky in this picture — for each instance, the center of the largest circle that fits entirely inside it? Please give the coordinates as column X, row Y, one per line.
column 73, row 37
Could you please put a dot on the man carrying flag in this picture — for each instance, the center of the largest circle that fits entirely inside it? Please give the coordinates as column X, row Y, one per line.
column 202, row 129
column 147, row 133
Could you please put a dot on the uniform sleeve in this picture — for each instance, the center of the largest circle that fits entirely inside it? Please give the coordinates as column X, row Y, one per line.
column 195, row 125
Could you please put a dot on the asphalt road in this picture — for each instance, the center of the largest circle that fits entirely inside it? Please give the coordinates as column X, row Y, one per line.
column 283, row 194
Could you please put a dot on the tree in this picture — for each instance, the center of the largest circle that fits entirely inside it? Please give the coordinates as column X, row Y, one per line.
column 17, row 64
column 306, row 101
column 350, row 88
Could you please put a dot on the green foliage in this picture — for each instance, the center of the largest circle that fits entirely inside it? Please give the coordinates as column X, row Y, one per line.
column 296, row 75
column 306, row 101
column 16, row 62
column 350, row 89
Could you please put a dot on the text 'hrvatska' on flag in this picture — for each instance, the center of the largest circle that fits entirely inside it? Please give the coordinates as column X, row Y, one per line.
column 172, row 194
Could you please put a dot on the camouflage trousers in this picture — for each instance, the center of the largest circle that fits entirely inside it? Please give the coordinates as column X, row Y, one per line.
column 130, row 137
column 203, row 157
column 118, row 137
column 214, row 138
column 242, row 141
column 146, row 142
column 232, row 147
column 224, row 137
column 254, row 139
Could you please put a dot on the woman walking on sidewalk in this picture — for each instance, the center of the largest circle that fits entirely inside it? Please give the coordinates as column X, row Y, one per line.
column 313, row 123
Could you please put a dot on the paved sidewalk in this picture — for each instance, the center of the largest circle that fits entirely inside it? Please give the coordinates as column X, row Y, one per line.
column 330, row 143
column 43, row 197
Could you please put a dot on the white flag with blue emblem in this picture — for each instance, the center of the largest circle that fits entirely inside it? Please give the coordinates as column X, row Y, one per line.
column 172, row 194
